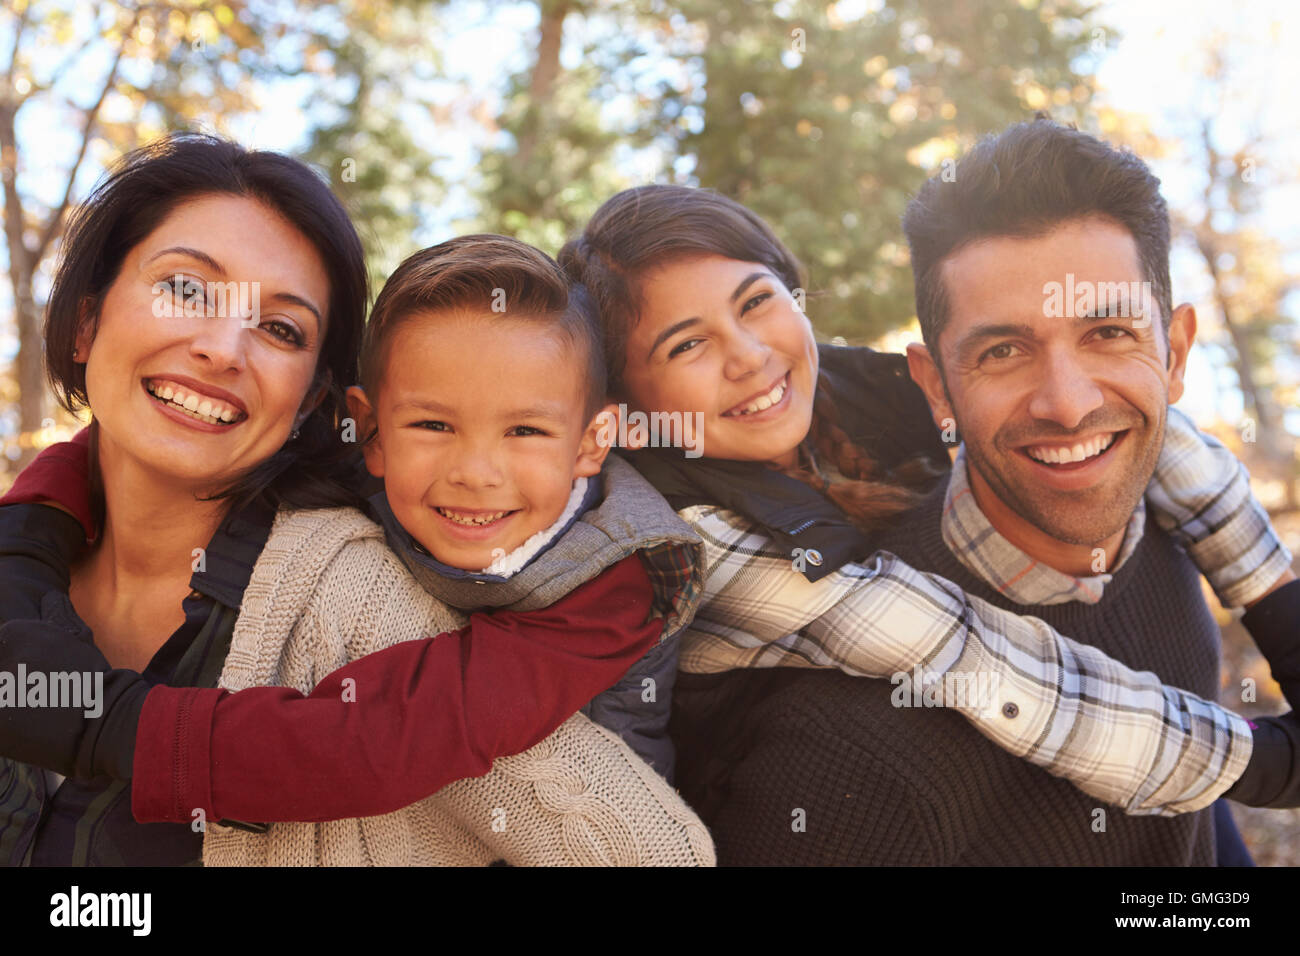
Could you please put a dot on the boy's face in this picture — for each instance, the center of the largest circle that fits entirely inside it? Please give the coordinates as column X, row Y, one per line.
column 481, row 432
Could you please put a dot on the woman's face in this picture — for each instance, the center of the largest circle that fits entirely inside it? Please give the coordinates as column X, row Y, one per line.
column 201, row 378
column 725, row 338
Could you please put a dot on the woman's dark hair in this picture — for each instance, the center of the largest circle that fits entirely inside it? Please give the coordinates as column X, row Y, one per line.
column 137, row 195
column 488, row 274
column 649, row 226
column 1023, row 182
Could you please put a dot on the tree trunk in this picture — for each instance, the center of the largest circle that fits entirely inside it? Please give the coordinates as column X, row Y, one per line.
column 546, row 69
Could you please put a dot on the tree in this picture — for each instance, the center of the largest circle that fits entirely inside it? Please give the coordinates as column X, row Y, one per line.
column 822, row 124
column 103, row 78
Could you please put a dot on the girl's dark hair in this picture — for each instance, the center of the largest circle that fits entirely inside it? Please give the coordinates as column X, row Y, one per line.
column 648, row 226
column 488, row 274
column 133, row 200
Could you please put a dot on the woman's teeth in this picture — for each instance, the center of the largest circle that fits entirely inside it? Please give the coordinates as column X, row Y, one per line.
column 1064, row 455
column 763, row 402
column 205, row 409
column 472, row 519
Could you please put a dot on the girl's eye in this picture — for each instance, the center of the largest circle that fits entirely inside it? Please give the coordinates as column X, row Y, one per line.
column 526, row 431
column 755, row 302
column 284, row 331
column 684, row 347
column 432, row 426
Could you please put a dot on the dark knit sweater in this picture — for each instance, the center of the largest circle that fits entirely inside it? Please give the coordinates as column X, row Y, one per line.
column 818, row 768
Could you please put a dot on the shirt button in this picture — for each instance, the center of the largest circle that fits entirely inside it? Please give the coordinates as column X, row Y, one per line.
column 814, row 557
column 1010, row 710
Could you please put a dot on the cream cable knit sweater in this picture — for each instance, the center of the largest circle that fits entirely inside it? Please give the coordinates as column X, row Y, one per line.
column 327, row 590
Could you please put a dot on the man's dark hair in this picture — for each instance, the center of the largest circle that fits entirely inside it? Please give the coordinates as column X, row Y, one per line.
column 486, row 273
column 1022, row 183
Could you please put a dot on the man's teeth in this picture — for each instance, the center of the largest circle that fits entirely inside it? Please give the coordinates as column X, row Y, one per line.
column 205, row 409
column 1067, row 454
column 763, row 402
column 472, row 519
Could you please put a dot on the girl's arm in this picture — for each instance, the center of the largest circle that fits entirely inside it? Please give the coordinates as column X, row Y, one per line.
column 1117, row 734
column 1201, row 496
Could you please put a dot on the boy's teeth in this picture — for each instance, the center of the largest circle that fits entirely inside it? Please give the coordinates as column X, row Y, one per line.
column 482, row 519
column 764, row 402
column 1063, row 455
column 204, row 409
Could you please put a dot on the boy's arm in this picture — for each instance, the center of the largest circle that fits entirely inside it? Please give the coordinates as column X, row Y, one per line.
column 376, row 735
column 1201, row 497
column 1117, row 734
column 423, row 713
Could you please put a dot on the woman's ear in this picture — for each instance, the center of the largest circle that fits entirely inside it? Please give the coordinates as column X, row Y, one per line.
column 601, row 433
column 86, row 322
column 363, row 413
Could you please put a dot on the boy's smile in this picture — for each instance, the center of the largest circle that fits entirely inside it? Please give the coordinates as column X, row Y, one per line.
column 481, row 431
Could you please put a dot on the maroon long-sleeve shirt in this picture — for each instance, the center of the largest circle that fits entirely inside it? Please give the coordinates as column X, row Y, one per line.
column 418, row 715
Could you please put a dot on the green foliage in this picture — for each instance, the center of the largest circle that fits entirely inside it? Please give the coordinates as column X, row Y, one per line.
column 821, row 124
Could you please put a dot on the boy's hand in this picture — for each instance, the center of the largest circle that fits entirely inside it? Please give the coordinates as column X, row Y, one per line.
column 84, row 734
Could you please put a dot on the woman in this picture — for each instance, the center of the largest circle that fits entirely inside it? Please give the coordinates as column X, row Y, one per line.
column 209, row 309
column 238, row 780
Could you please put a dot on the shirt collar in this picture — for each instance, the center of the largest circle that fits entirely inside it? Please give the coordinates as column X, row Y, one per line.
column 991, row 557
column 224, row 567
column 584, row 494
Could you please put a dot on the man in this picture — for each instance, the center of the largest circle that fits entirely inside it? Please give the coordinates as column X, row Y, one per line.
column 1051, row 344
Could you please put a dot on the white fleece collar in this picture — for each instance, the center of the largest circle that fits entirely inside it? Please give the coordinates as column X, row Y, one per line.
column 507, row 565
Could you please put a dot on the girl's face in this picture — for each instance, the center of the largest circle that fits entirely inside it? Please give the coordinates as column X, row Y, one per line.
column 201, row 379
column 725, row 338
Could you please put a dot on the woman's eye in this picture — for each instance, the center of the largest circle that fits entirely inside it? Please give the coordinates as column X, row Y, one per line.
column 684, row 347
column 284, row 331
column 755, row 302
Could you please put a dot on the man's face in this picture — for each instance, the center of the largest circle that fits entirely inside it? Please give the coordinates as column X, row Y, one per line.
column 1061, row 402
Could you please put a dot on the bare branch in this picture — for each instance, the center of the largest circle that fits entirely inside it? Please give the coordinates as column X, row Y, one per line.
column 52, row 226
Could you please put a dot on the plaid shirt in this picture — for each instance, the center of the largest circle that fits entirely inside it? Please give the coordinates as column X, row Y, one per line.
column 1117, row 734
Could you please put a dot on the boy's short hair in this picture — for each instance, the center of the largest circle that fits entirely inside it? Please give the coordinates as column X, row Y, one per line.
column 494, row 275
column 1024, row 182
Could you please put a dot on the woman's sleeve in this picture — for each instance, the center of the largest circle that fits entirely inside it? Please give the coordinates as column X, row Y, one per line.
column 581, row 797
column 1200, row 494
column 1117, row 734
column 397, row 725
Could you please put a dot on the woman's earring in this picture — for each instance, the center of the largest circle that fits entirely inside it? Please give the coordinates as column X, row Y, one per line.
column 294, row 434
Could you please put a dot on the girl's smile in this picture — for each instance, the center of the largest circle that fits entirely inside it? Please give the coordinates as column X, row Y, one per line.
column 725, row 338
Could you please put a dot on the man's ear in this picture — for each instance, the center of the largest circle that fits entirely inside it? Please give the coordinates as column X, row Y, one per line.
column 596, row 442
column 926, row 374
column 1182, row 332
column 363, row 413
